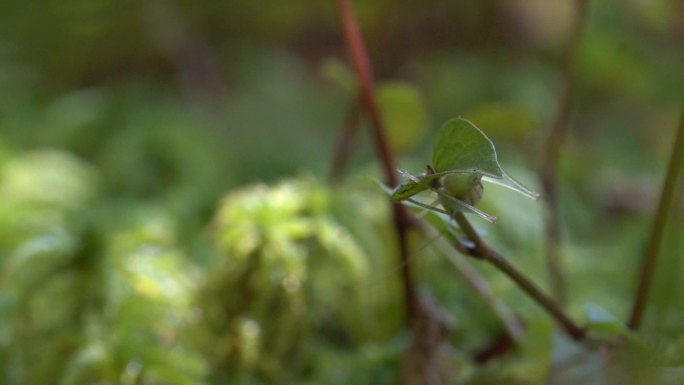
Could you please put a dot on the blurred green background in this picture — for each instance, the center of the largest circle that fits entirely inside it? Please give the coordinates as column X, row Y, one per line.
column 166, row 214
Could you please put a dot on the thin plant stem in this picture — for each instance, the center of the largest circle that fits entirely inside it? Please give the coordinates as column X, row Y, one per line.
column 511, row 325
column 554, row 142
column 359, row 58
column 483, row 251
column 650, row 257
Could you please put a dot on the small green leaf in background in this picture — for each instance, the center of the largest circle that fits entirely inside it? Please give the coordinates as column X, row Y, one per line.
column 402, row 106
column 403, row 111
column 504, row 122
column 338, row 73
column 602, row 322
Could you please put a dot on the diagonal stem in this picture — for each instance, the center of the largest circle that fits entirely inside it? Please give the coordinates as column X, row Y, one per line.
column 482, row 250
column 356, row 50
column 511, row 325
column 650, row 257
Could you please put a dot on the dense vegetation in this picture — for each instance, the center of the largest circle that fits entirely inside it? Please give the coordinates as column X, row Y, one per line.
column 177, row 206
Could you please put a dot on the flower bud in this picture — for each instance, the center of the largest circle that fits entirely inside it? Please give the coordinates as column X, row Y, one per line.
column 464, row 186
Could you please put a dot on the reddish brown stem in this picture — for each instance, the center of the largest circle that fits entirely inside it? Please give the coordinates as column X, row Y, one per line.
column 499, row 346
column 650, row 258
column 483, row 251
column 357, row 53
column 511, row 325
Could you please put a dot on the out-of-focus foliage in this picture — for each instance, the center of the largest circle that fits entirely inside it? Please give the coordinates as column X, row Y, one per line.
column 123, row 124
column 78, row 308
column 404, row 115
column 281, row 256
column 44, row 279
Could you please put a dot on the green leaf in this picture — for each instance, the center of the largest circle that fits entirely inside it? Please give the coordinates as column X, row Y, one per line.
column 462, row 147
column 503, row 121
column 602, row 323
column 338, row 73
column 403, row 110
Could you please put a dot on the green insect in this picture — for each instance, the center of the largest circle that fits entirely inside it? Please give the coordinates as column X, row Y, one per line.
column 462, row 158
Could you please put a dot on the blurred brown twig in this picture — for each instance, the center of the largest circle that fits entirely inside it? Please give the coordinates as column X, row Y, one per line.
column 483, row 251
column 357, row 53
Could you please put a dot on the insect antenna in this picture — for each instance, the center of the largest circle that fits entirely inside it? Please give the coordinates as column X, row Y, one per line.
column 463, row 206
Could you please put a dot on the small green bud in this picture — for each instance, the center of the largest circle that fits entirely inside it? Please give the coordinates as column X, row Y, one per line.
column 464, row 186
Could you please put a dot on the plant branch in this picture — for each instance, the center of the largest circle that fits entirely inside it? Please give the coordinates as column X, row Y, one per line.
column 357, row 53
column 512, row 327
column 554, row 142
column 483, row 251
column 650, row 256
